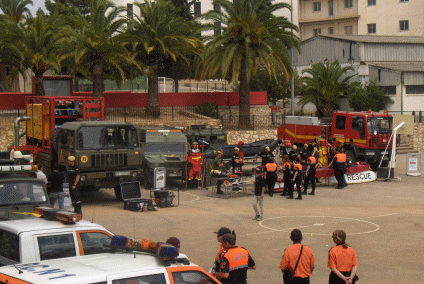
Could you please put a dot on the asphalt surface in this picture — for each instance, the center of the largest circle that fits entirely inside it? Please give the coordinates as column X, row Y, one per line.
column 383, row 221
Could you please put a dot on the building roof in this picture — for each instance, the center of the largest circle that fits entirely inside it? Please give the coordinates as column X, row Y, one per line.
column 378, row 39
column 399, row 66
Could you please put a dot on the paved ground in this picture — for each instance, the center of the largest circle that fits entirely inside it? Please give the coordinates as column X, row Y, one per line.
column 383, row 221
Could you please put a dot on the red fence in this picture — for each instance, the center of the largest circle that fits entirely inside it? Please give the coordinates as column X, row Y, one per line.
column 129, row 99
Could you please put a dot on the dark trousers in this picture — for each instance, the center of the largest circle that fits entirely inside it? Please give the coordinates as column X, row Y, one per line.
column 334, row 279
column 270, row 181
column 75, row 197
column 310, row 178
column 288, row 186
column 219, row 182
column 298, row 183
column 298, row 280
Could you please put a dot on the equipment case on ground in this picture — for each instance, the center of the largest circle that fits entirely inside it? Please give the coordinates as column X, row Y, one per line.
column 131, row 195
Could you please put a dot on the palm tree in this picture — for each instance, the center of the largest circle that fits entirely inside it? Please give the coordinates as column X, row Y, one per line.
column 325, row 83
column 40, row 39
column 15, row 10
column 97, row 44
column 252, row 35
column 159, row 35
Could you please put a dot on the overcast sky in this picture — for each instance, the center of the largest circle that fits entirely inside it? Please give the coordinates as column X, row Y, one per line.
column 37, row 4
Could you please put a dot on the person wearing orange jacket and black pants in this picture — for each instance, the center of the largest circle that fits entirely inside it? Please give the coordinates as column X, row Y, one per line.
column 342, row 261
column 310, row 175
column 271, row 175
column 338, row 164
column 299, row 259
column 297, row 179
column 234, row 263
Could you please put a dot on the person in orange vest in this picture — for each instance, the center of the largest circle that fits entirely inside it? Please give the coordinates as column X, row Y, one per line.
column 298, row 259
column 287, row 177
column 234, row 262
column 195, row 158
column 297, row 179
column 338, row 164
column 222, row 231
column 271, row 175
column 310, row 174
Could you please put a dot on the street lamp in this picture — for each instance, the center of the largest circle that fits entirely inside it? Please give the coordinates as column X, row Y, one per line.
column 292, row 63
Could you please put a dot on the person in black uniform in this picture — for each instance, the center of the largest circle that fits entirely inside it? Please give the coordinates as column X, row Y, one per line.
column 297, row 179
column 74, row 176
column 288, row 175
column 265, row 155
column 293, row 154
column 310, row 175
column 338, row 164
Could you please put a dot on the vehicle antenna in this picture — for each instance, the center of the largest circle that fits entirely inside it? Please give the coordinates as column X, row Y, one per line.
column 20, row 271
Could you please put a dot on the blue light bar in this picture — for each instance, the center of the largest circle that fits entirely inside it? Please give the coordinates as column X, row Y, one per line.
column 162, row 250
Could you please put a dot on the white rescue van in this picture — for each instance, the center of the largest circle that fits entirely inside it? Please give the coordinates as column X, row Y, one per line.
column 130, row 265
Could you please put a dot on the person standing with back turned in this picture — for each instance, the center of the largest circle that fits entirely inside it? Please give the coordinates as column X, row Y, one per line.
column 299, row 259
column 74, row 176
column 342, row 261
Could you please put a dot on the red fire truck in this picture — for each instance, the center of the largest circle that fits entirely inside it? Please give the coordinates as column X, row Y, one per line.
column 365, row 134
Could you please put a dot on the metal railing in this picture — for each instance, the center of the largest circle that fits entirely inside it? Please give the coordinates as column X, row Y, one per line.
column 255, row 121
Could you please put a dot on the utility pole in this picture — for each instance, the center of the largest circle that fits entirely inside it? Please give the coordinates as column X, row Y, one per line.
column 292, row 63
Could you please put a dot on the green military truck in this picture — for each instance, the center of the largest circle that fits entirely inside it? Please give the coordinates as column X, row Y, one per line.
column 213, row 135
column 107, row 152
column 162, row 147
column 19, row 193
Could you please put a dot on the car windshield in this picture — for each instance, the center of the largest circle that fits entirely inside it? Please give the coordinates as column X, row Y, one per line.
column 22, row 192
column 163, row 148
column 380, row 124
column 107, row 137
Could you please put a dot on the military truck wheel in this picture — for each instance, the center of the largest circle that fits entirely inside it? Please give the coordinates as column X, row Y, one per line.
column 148, row 179
column 118, row 193
column 350, row 155
column 55, row 142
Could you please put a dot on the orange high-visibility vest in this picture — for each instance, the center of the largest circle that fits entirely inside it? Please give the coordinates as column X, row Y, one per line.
column 271, row 167
column 312, row 159
column 238, row 258
column 298, row 167
column 341, row 157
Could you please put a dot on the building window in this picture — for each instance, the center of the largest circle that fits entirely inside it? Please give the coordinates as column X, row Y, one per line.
column 317, row 6
column 371, row 2
column 330, row 8
column 317, row 32
column 414, row 89
column 404, row 25
column 348, row 4
column 348, row 30
column 372, row 28
column 197, row 8
column 330, row 30
column 130, row 10
column 404, row 1
column 389, row 90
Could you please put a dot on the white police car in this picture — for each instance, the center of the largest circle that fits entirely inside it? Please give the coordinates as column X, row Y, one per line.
column 129, row 262
column 64, row 235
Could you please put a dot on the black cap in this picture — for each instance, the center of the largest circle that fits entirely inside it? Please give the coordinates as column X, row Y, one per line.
column 223, row 231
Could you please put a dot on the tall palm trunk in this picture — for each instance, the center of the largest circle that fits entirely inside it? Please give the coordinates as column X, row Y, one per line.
column 244, row 98
column 39, row 87
column 98, row 80
column 152, row 108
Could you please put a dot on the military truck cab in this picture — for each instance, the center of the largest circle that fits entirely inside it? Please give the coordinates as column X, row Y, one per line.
column 107, row 153
column 162, row 147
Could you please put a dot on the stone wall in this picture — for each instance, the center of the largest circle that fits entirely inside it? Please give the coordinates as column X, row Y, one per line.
column 249, row 136
column 254, row 110
column 7, row 136
column 416, row 140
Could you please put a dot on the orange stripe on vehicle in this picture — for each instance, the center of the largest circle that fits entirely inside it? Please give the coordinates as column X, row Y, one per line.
column 11, row 280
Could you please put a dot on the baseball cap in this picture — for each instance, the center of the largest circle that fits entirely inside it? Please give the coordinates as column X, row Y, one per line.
column 71, row 158
column 223, row 231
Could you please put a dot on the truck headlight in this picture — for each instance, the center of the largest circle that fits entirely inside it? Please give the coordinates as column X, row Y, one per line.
column 134, row 174
column 82, row 178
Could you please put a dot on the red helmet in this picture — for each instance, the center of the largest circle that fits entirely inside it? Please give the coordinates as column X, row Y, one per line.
column 240, row 143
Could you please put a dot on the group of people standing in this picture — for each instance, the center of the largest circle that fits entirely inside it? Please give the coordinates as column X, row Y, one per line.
column 297, row 264
column 55, row 181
